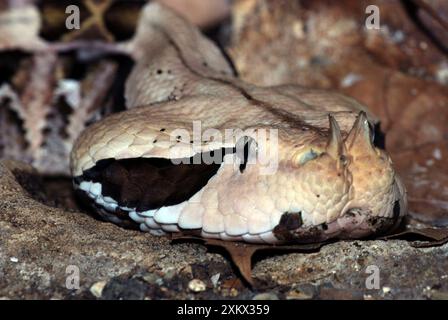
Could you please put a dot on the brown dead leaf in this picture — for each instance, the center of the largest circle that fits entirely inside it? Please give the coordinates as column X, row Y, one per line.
column 433, row 14
column 46, row 102
column 433, row 237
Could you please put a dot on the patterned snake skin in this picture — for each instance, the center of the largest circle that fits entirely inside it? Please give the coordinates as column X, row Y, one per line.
column 321, row 177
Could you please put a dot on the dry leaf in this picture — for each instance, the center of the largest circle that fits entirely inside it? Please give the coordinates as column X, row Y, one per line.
column 434, row 237
column 241, row 253
column 433, row 14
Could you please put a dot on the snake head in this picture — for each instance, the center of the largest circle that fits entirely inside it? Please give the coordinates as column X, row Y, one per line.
column 338, row 186
column 323, row 181
column 347, row 189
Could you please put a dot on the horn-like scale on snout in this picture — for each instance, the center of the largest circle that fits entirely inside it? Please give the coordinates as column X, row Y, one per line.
column 359, row 140
column 374, row 182
column 335, row 146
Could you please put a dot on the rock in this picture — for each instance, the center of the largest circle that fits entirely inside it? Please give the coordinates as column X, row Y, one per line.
column 97, row 288
column 265, row 296
column 152, row 278
column 196, row 285
column 123, row 288
column 46, row 240
column 233, row 292
column 215, row 279
column 169, row 274
column 299, row 294
column 386, row 290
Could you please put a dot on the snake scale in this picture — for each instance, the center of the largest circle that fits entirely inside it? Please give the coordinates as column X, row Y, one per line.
column 146, row 166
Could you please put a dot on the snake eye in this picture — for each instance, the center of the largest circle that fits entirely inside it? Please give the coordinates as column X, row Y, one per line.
column 307, row 156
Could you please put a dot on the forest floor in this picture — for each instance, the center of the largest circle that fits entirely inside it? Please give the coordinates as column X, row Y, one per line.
column 54, row 253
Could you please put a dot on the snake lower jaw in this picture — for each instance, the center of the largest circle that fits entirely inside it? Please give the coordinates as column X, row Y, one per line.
column 290, row 227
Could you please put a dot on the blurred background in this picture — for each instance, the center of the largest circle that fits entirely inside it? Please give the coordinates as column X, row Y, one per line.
column 56, row 81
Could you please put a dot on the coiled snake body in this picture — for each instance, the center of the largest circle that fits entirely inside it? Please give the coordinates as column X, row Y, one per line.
column 329, row 179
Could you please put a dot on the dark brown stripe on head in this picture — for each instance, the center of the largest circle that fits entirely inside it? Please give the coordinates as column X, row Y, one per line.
column 151, row 183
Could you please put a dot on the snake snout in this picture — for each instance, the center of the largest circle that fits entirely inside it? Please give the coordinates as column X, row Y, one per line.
column 375, row 187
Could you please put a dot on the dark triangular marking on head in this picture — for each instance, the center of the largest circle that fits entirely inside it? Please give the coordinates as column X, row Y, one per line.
column 151, row 183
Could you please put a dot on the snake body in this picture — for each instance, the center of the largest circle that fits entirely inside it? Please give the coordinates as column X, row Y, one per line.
column 140, row 167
